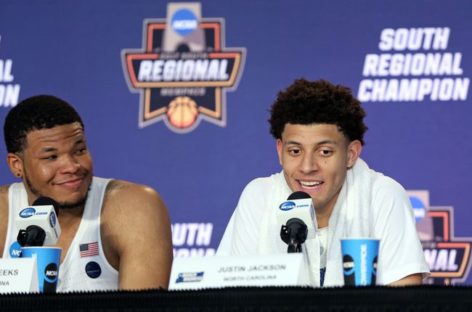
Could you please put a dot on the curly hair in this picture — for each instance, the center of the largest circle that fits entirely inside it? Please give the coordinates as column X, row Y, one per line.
column 36, row 113
column 318, row 102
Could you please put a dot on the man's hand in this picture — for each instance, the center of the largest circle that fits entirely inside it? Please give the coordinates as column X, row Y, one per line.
column 413, row 279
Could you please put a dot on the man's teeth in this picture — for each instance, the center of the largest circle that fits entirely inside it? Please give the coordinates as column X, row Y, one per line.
column 309, row 183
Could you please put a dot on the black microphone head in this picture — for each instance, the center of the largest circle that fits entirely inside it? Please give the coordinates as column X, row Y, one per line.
column 46, row 201
column 294, row 233
column 32, row 236
column 298, row 195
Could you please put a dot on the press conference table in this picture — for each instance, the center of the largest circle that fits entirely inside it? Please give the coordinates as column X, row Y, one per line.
column 417, row 298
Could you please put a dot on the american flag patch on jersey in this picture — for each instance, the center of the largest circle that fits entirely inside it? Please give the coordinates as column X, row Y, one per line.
column 88, row 250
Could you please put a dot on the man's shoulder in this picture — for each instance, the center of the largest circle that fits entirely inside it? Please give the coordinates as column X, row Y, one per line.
column 121, row 190
column 4, row 189
column 386, row 184
column 384, row 188
column 3, row 211
column 4, row 195
column 130, row 212
column 377, row 180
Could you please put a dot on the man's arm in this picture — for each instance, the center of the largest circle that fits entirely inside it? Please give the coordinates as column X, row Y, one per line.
column 136, row 227
column 242, row 232
column 3, row 216
column 410, row 280
column 401, row 255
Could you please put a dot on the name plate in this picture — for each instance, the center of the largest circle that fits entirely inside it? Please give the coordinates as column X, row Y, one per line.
column 217, row 272
column 18, row 275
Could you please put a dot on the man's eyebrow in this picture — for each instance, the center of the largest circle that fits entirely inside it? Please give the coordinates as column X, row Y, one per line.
column 317, row 143
column 79, row 141
column 291, row 142
column 48, row 149
column 328, row 142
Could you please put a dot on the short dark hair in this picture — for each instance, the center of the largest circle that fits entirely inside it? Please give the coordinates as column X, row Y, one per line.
column 318, row 102
column 36, row 113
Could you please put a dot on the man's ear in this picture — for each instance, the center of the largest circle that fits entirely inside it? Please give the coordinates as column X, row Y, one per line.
column 15, row 163
column 354, row 150
column 280, row 146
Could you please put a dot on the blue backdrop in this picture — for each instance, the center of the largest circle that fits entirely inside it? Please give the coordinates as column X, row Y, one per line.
column 409, row 61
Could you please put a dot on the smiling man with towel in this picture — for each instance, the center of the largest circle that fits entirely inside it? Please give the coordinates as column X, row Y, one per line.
column 319, row 130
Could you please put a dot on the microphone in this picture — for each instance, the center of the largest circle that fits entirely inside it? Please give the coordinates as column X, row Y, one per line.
column 38, row 223
column 297, row 219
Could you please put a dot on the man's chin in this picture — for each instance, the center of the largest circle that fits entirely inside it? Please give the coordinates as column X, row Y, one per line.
column 73, row 204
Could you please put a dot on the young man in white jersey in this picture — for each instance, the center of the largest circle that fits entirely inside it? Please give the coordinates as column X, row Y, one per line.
column 319, row 130
column 115, row 234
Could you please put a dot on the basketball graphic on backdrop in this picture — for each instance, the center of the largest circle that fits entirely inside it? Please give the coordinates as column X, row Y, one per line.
column 182, row 112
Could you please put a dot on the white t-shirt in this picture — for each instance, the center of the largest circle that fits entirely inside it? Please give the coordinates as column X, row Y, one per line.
column 369, row 205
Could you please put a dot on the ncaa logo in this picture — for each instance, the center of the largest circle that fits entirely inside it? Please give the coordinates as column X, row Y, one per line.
column 184, row 22
column 27, row 212
column 419, row 208
column 288, row 205
column 51, row 272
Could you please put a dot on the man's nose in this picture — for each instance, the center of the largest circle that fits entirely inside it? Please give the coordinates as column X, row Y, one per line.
column 309, row 163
